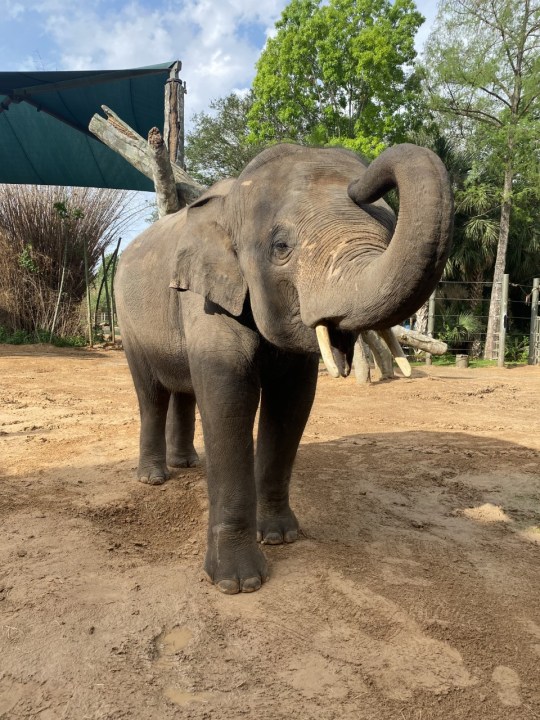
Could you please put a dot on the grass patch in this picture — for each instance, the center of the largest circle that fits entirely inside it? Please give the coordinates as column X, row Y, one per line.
column 450, row 360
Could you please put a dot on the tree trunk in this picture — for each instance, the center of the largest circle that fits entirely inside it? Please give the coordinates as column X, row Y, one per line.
column 415, row 339
column 116, row 134
column 166, row 196
column 490, row 352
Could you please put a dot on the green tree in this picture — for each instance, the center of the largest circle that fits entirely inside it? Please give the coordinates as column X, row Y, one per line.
column 218, row 145
column 483, row 59
column 339, row 72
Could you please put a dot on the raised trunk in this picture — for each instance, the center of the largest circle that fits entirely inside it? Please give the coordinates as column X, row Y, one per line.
column 375, row 292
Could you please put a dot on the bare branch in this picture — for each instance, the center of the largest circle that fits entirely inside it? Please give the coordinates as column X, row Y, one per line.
column 117, row 135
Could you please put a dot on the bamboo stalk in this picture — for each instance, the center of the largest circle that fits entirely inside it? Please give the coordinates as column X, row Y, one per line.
column 87, row 282
column 113, row 301
column 60, row 289
column 107, row 299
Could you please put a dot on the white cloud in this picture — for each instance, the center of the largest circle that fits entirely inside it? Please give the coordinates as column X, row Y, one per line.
column 211, row 37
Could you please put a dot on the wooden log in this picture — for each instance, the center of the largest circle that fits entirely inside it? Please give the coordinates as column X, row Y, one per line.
column 413, row 338
column 166, row 195
column 361, row 366
column 395, row 348
column 116, row 134
column 173, row 128
column 382, row 357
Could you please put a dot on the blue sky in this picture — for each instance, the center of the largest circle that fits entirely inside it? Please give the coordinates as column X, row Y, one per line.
column 218, row 41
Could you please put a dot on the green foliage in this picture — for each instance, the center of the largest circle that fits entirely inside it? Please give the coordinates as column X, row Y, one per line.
column 341, row 71
column 456, row 328
column 26, row 259
column 517, row 348
column 23, row 337
column 219, row 146
column 483, row 68
column 65, row 212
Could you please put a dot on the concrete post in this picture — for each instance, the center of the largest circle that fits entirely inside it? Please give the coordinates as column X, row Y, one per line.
column 431, row 321
column 533, row 339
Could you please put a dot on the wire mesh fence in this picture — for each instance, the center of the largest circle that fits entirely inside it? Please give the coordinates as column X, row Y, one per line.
column 458, row 313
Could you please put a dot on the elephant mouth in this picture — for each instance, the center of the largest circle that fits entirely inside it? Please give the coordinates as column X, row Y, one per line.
column 336, row 348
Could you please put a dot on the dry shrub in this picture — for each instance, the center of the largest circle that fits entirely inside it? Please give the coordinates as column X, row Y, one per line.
column 35, row 240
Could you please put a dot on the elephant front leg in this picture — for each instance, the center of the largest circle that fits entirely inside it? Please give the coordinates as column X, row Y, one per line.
column 228, row 403
column 287, row 398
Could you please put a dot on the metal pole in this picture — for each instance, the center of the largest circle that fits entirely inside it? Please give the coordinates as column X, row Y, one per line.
column 533, row 340
column 503, row 321
column 431, row 322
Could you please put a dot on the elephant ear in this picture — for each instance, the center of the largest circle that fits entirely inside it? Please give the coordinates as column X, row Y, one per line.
column 206, row 262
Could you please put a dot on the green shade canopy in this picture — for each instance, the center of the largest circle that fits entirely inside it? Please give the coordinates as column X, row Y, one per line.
column 44, row 117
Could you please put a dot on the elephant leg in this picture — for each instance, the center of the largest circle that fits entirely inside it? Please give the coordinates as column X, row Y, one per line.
column 224, row 371
column 180, row 431
column 228, row 404
column 153, row 403
column 287, row 398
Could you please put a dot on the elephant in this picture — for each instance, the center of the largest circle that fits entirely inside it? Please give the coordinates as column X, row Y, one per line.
column 228, row 303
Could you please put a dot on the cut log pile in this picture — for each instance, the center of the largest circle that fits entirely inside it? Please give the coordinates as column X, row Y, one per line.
column 381, row 347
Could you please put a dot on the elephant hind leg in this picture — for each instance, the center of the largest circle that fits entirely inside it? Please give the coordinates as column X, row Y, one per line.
column 152, row 467
column 153, row 402
column 181, row 452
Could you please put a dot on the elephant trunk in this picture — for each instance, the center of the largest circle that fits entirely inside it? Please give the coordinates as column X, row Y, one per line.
column 382, row 287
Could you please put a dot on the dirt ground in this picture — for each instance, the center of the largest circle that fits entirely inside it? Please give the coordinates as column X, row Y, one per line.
column 413, row 594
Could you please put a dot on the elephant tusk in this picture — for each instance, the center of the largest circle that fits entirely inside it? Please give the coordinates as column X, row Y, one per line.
column 397, row 351
column 323, row 338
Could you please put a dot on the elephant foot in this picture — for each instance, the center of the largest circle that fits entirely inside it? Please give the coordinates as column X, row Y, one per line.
column 183, row 459
column 234, row 565
column 277, row 528
column 153, row 475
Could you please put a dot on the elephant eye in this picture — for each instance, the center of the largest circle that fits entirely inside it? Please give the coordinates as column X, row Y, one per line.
column 280, row 251
column 281, row 244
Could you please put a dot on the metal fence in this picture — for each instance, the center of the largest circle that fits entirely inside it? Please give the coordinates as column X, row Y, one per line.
column 458, row 314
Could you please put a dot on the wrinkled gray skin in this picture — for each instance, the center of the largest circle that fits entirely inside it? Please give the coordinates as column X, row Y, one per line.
column 218, row 303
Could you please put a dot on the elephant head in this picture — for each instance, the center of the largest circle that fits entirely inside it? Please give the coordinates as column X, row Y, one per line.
column 304, row 233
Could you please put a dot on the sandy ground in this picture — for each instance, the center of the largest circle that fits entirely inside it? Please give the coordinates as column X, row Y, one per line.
column 414, row 593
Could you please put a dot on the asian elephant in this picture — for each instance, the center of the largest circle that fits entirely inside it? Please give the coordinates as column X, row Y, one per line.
column 226, row 304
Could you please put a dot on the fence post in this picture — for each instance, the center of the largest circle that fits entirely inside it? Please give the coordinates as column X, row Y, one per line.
column 533, row 340
column 431, row 321
column 503, row 321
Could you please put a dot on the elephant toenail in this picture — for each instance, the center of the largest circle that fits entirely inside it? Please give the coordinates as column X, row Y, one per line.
column 273, row 538
column 251, row 584
column 229, row 587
